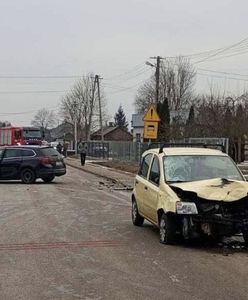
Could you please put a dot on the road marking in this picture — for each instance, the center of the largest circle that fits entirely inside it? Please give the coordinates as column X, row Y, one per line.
column 59, row 245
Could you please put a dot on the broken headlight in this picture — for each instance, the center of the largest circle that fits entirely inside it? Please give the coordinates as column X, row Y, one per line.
column 186, row 208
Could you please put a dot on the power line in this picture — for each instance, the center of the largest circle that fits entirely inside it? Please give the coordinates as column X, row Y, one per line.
column 231, row 55
column 27, row 112
column 236, row 48
column 221, row 77
column 32, row 92
column 40, row 77
column 225, row 49
column 135, row 69
column 222, row 72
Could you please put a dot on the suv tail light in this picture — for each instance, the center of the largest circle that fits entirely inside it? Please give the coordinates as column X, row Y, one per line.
column 45, row 160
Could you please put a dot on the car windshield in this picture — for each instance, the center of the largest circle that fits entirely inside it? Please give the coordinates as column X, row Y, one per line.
column 31, row 133
column 199, row 167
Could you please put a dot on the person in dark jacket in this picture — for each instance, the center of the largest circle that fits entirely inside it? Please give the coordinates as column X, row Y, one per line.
column 65, row 147
column 82, row 150
column 59, row 148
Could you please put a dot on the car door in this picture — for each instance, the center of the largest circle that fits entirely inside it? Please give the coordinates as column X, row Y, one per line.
column 141, row 182
column 151, row 201
column 11, row 164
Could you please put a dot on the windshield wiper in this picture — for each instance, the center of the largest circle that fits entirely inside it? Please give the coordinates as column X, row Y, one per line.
column 176, row 181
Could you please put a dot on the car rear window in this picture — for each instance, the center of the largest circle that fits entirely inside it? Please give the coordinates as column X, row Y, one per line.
column 49, row 151
column 27, row 152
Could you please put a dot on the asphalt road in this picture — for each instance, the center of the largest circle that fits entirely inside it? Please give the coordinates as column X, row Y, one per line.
column 73, row 239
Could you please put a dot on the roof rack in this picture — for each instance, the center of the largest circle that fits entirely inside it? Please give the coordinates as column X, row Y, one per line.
column 202, row 145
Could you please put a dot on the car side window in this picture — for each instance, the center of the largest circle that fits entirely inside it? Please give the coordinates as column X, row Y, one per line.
column 27, row 152
column 143, row 171
column 11, row 153
column 154, row 175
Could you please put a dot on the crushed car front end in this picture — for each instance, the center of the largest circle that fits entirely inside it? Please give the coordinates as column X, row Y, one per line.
column 221, row 212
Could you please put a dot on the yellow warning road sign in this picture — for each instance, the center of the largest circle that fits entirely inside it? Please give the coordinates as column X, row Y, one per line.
column 151, row 120
column 150, row 130
column 151, row 114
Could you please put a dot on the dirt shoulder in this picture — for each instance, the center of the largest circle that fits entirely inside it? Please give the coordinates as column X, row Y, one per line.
column 131, row 167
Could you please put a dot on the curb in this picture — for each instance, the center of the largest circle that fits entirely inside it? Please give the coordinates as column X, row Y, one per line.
column 97, row 174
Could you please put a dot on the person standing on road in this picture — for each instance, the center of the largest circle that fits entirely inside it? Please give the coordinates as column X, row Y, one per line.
column 65, row 147
column 59, row 147
column 82, row 150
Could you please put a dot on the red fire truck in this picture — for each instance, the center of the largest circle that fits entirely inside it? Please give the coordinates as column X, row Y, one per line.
column 20, row 136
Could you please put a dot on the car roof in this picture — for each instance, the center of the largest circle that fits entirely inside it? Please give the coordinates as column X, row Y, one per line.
column 25, row 146
column 186, row 151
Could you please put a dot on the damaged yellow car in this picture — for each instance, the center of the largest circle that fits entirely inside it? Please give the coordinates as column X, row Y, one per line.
column 190, row 192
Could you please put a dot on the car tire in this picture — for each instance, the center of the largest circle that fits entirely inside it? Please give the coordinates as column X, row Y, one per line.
column 28, row 176
column 137, row 219
column 245, row 237
column 167, row 229
column 48, row 179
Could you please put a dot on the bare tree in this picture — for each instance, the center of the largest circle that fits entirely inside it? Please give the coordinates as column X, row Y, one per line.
column 5, row 124
column 145, row 95
column 177, row 78
column 80, row 106
column 44, row 119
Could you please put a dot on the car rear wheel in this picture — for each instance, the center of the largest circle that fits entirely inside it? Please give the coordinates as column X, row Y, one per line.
column 245, row 236
column 137, row 219
column 28, row 176
column 167, row 229
column 48, row 178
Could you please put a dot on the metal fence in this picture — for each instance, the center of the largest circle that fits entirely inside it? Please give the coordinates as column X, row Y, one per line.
column 132, row 151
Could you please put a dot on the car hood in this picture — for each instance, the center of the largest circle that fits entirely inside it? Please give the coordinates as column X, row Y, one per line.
column 217, row 189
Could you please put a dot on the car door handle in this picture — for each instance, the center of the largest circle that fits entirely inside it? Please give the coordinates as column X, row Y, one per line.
column 146, row 188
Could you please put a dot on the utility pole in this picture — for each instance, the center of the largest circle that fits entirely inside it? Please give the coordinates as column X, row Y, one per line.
column 157, row 76
column 75, row 133
column 100, row 106
column 91, row 108
column 75, row 126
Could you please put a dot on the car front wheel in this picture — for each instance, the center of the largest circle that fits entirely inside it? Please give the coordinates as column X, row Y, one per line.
column 137, row 219
column 28, row 176
column 167, row 229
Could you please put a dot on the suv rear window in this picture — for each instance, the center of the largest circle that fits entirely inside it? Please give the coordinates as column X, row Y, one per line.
column 27, row 152
column 49, row 151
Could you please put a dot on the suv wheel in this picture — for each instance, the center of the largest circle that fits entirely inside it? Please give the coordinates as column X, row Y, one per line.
column 245, row 236
column 48, row 178
column 136, row 217
column 167, row 229
column 28, row 176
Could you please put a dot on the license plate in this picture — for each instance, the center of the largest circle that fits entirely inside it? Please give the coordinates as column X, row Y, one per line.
column 59, row 164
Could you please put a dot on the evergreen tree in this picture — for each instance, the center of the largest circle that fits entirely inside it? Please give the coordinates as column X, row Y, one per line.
column 120, row 118
column 191, row 118
column 164, row 112
column 164, row 124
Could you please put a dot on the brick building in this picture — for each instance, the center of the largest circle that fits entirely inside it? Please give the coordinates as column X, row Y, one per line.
column 112, row 133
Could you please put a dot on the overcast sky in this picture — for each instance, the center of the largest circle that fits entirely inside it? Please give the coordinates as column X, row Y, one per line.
column 112, row 38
